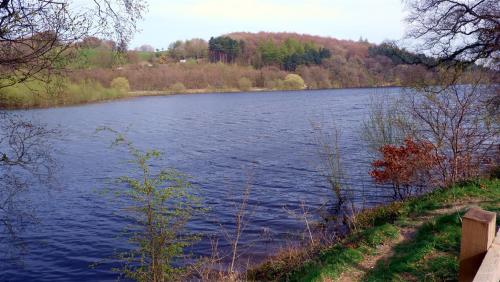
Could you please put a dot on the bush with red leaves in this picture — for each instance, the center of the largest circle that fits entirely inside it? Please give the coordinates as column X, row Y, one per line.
column 406, row 167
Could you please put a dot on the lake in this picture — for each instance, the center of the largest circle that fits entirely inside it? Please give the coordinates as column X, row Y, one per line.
column 224, row 142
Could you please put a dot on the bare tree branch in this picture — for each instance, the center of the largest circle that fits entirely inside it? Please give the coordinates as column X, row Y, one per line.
column 457, row 31
column 36, row 35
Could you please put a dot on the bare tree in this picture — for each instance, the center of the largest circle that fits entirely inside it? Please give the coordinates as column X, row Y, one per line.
column 459, row 112
column 35, row 35
column 458, row 121
column 226, row 265
column 331, row 161
column 385, row 125
column 464, row 31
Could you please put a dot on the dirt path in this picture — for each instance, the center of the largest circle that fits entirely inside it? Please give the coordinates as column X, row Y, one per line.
column 384, row 252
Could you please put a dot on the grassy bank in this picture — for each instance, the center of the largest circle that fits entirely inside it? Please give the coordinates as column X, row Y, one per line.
column 415, row 240
column 36, row 94
column 28, row 97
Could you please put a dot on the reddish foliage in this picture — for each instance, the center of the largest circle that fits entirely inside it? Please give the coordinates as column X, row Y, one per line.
column 406, row 166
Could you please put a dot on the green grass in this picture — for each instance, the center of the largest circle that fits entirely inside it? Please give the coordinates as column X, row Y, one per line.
column 145, row 56
column 493, row 207
column 488, row 190
column 332, row 262
column 100, row 57
column 432, row 255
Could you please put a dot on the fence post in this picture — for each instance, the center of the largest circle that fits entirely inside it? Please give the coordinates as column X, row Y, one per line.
column 478, row 232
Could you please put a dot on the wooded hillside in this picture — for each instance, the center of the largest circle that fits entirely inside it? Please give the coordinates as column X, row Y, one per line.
column 262, row 58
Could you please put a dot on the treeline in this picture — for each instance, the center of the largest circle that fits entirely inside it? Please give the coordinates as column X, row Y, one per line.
column 224, row 49
column 398, row 55
column 288, row 55
column 195, row 48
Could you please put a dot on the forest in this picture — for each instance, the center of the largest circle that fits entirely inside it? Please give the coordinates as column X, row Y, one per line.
column 263, row 58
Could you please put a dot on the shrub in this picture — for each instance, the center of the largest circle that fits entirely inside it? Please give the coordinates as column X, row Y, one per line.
column 162, row 203
column 244, row 84
column 270, row 84
column 121, row 84
column 277, row 84
column 406, row 166
column 293, row 82
column 177, row 87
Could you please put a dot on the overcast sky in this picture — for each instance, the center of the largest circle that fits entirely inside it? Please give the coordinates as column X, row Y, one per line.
column 170, row 20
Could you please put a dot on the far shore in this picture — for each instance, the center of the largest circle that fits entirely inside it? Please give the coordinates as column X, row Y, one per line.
column 143, row 93
column 151, row 93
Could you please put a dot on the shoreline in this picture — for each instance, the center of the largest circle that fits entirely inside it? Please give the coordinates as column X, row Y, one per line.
column 158, row 93
column 391, row 225
column 149, row 93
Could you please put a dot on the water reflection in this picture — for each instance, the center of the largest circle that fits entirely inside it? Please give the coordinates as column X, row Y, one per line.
column 25, row 163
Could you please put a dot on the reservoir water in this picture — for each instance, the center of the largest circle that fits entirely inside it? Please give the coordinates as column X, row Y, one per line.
column 224, row 142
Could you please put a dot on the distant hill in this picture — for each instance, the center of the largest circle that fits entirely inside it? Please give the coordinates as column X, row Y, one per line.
column 264, row 58
column 233, row 62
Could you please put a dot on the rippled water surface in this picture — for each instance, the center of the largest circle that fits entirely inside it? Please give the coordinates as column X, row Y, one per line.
column 223, row 141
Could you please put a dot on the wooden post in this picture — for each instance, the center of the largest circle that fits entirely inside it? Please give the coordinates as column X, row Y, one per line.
column 478, row 232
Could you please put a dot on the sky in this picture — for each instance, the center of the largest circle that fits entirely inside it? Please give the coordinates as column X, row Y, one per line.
column 169, row 20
